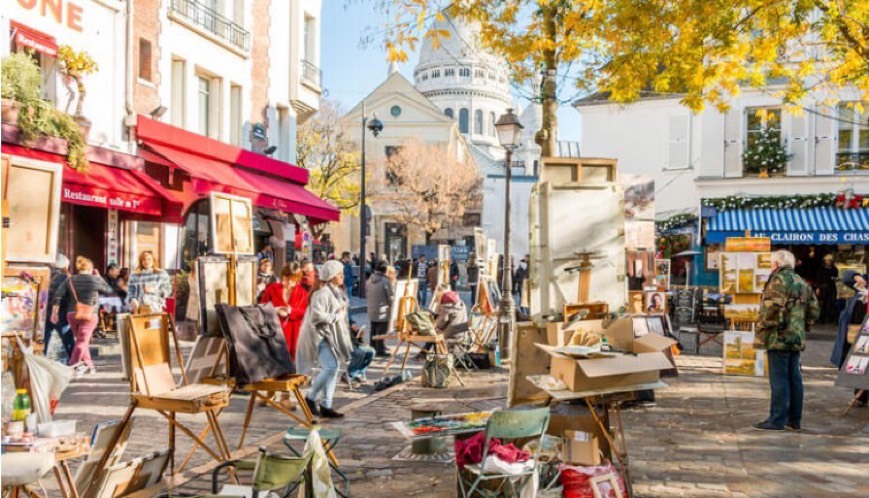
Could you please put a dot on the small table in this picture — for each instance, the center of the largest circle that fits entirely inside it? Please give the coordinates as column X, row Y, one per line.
column 330, row 438
column 62, row 472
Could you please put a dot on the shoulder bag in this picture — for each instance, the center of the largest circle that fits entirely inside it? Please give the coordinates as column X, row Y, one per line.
column 82, row 311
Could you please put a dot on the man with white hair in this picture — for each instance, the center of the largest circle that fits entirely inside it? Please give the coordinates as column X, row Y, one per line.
column 788, row 308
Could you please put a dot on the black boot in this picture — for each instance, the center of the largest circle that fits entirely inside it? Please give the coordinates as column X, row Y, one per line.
column 330, row 413
column 312, row 406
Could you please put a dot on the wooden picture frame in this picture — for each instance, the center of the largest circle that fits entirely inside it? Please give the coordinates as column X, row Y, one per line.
column 231, row 224
column 606, row 486
column 32, row 192
column 655, row 302
column 662, row 274
column 25, row 301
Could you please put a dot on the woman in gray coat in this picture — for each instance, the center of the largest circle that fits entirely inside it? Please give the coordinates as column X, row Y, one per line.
column 324, row 339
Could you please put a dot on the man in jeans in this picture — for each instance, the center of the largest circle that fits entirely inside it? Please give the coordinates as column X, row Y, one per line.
column 787, row 310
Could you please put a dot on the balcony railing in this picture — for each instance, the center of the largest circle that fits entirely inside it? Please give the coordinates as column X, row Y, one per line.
column 311, row 72
column 203, row 17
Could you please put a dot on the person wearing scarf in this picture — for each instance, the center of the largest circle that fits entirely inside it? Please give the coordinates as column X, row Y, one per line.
column 324, row 339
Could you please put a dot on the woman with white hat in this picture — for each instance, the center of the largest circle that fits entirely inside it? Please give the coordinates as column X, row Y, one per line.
column 324, row 339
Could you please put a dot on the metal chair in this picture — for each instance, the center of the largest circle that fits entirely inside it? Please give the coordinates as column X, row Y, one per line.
column 271, row 472
column 505, row 425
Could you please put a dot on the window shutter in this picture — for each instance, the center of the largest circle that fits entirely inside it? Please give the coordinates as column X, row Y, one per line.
column 678, row 146
column 733, row 132
column 799, row 145
column 825, row 140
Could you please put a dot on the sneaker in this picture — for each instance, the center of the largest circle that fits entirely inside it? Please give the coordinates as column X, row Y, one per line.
column 766, row 426
column 330, row 413
column 362, row 379
column 346, row 380
column 312, row 406
column 793, row 427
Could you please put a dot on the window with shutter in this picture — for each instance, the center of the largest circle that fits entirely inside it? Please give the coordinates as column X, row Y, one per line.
column 799, row 145
column 853, row 136
column 733, row 143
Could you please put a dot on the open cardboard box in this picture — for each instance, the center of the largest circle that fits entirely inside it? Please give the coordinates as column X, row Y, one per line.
column 566, row 417
column 620, row 334
column 614, row 370
column 559, row 333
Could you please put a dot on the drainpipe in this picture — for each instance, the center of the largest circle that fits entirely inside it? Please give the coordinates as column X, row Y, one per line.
column 130, row 118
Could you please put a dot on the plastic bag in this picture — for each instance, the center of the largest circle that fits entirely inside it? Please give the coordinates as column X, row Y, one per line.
column 48, row 380
column 321, row 475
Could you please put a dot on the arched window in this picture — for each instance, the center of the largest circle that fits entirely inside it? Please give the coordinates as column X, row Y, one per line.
column 478, row 122
column 491, row 124
column 448, row 112
column 463, row 120
column 465, row 72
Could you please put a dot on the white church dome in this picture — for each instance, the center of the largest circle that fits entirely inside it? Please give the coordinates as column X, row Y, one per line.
column 465, row 80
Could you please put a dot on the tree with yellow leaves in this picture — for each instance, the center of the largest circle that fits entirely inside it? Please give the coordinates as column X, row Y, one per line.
column 702, row 50
column 324, row 149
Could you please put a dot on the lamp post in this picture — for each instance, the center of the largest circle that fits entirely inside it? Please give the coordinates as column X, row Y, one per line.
column 376, row 126
column 509, row 128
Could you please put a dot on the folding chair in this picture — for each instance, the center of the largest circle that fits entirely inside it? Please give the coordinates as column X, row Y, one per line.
column 271, row 472
column 505, row 425
column 153, row 387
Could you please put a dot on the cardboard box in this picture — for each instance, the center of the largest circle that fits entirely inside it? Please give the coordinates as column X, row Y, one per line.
column 580, row 448
column 621, row 335
column 586, row 374
column 559, row 333
column 579, row 418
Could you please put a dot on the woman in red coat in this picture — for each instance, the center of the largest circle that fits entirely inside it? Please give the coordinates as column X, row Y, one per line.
column 290, row 298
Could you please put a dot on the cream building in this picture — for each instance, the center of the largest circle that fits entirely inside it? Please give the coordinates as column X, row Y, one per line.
column 406, row 115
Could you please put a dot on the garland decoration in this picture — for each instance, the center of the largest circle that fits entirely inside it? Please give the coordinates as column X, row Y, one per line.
column 675, row 221
column 773, row 202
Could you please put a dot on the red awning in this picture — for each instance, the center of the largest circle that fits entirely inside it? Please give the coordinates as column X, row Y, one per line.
column 264, row 190
column 104, row 186
column 31, row 38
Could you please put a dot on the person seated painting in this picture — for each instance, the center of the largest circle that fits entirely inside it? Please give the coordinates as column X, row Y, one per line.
column 451, row 320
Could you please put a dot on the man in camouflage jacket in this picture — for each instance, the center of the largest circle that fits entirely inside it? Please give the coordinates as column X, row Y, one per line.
column 788, row 309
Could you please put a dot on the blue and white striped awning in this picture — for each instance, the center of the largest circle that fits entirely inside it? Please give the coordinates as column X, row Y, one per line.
column 819, row 225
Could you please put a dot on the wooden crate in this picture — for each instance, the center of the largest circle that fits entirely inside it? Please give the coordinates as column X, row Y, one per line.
column 596, row 311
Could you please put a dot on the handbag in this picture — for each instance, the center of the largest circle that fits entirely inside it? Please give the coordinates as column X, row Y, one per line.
column 255, row 341
column 82, row 311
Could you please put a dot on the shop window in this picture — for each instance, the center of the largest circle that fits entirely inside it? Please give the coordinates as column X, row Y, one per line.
column 465, row 72
column 853, row 123
column 464, row 118
column 478, row 122
column 145, row 60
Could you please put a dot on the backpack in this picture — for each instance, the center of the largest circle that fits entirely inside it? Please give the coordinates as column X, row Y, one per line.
column 421, row 323
column 437, row 369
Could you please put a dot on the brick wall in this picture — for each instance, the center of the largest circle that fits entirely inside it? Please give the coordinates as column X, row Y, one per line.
column 260, row 71
column 146, row 25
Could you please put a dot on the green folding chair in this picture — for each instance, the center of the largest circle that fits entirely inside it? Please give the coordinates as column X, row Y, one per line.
column 271, row 472
column 506, row 425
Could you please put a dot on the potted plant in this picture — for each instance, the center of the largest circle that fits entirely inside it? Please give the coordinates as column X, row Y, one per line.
column 766, row 155
column 35, row 117
column 75, row 66
column 20, row 85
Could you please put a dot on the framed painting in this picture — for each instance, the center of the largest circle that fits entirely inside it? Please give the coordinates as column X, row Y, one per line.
column 32, row 191
column 662, row 274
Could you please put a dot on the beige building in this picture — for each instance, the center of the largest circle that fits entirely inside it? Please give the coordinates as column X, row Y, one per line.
column 406, row 115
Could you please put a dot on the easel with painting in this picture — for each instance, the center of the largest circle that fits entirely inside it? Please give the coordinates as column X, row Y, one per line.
column 483, row 319
column 745, row 266
column 854, row 373
column 232, row 225
column 401, row 328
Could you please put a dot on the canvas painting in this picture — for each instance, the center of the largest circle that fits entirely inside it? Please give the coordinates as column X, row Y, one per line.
column 748, row 244
column 742, row 312
column 862, row 344
column 744, row 272
column 662, row 274
column 656, row 302
column 711, row 257
column 641, row 326
column 740, row 355
column 857, row 365
column 232, row 224
column 403, row 288
column 656, row 325
column 480, row 245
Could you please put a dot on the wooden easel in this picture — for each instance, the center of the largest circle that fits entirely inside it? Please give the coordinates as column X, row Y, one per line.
column 854, row 401
column 153, row 387
column 489, row 325
column 404, row 333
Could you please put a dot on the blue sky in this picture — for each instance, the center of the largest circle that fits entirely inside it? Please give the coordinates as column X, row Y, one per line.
column 351, row 71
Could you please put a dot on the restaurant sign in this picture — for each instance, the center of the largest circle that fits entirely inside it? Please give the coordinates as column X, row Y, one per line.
column 91, row 196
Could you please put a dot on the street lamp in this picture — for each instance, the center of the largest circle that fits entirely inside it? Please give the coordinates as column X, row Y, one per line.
column 509, row 130
column 376, row 126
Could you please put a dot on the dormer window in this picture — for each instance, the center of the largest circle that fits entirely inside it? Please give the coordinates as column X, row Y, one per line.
column 479, row 73
column 435, row 73
column 450, row 71
column 465, row 72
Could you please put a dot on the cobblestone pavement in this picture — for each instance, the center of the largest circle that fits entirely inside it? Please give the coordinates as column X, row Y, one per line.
column 696, row 442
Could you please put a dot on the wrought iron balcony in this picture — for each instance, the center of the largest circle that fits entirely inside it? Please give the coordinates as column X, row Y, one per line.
column 311, row 73
column 204, row 17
